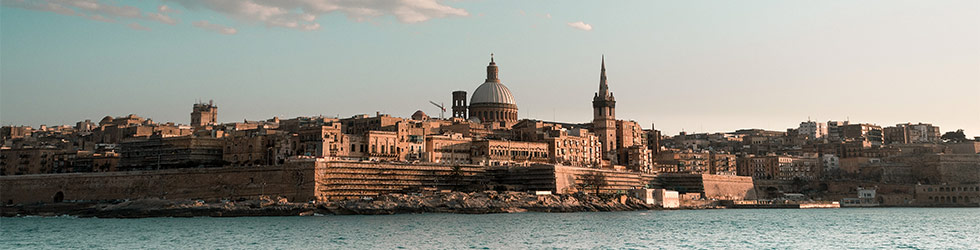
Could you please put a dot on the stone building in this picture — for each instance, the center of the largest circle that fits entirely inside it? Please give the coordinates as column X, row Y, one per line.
column 21, row 161
column 493, row 102
column 781, row 167
column 450, row 148
column 948, row 195
column 653, row 137
column 159, row 152
column 568, row 144
column 696, row 162
column 258, row 147
column 323, row 140
column 629, row 134
column 114, row 130
column 864, row 132
column 204, row 115
column 15, row 132
column 813, row 130
column 912, row 133
column 501, row 152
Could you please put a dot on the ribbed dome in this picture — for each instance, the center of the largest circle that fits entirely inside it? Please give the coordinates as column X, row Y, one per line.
column 492, row 92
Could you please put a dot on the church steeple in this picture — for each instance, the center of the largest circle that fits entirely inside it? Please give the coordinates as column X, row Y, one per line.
column 492, row 71
column 604, row 102
column 604, row 117
column 603, row 86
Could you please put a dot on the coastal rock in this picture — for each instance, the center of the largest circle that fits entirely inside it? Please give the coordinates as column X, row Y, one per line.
column 483, row 202
column 431, row 202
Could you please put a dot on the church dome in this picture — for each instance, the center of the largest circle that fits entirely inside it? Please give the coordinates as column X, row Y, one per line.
column 419, row 115
column 492, row 101
column 492, row 92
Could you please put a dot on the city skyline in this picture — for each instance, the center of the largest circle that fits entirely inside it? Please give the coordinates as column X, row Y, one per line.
column 761, row 65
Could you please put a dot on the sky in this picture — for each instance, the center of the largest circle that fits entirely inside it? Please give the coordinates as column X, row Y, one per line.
column 690, row 66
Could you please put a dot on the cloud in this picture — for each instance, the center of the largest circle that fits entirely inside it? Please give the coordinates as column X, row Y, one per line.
column 101, row 18
column 292, row 14
column 161, row 18
column 166, row 9
column 302, row 14
column 581, row 25
column 137, row 26
column 96, row 7
column 91, row 9
column 40, row 6
column 215, row 27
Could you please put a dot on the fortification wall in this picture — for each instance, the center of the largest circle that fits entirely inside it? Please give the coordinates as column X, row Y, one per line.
column 295, row 181
column 722, row 187
column 567, row 179
column 352, row 180
column 728, row 187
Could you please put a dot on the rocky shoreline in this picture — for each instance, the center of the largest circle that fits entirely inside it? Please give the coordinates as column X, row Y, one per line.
column 434, row 202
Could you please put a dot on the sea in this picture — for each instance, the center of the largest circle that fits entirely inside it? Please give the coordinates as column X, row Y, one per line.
column 844, row 228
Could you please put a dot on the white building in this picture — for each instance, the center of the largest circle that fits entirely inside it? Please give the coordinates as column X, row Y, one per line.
column 830, row 162
column 813, row 130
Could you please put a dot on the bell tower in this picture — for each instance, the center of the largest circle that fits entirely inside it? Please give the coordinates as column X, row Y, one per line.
column 604, row 116
column 459, row 104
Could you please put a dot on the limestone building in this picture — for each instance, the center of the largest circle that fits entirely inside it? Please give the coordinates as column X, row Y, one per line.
column 203, row 115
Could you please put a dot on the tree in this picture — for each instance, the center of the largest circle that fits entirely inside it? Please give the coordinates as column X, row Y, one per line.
column 957, row 136
column 455, row 177
column 594, row 180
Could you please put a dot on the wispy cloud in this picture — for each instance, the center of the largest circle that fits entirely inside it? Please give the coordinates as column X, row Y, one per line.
column 581, row 25
column 91, row 9
column 137, row 26
column 215, row 27
column 166, row 9
column 161, row 18
column 302, row 14
column 292, row 14
column 101, row 18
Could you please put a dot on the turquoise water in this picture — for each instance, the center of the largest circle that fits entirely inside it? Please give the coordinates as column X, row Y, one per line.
column 915, row 228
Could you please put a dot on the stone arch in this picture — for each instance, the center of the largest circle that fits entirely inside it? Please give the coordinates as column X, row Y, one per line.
column 59, row 197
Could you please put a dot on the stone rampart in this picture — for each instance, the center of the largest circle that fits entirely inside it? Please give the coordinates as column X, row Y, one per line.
column 293, row 181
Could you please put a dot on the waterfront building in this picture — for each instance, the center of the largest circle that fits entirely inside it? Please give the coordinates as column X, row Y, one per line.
column 947, row 195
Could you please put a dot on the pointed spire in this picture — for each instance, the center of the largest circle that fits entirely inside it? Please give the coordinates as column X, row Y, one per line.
column 603, row 86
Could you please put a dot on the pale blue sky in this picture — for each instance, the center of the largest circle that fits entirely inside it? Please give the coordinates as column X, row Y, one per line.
column 686, row 65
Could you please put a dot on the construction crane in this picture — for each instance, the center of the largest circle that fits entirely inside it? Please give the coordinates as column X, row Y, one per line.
column 442, row 109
